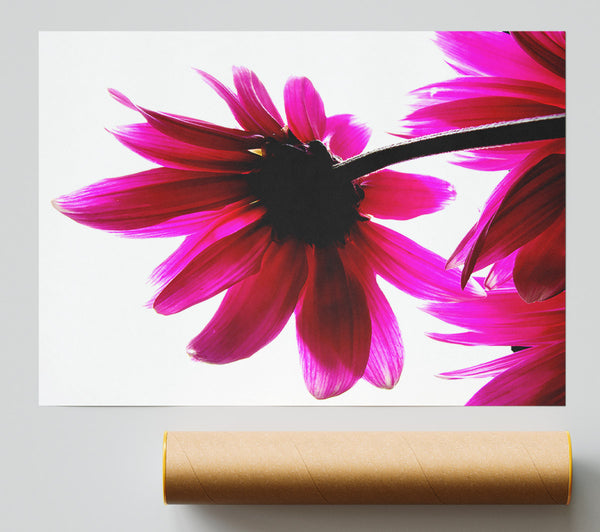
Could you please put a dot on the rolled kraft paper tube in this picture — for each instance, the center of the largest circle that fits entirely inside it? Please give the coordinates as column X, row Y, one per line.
column 367, row 467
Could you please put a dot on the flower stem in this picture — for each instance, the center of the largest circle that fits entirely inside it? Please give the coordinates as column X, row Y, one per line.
column 502, row 133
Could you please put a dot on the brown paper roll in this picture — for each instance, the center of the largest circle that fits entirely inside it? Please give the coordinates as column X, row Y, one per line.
column 367, row 467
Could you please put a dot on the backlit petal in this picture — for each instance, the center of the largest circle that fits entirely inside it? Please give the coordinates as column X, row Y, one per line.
column 205, row 229
column 334, row 326
column 216, row 268
column 495, row 200
column 242, row 116
column 491, row 368
column 529, row 207
column 537, row 380
column 401, row 196
column 347, row 136
column 255, row 310
column 494, row 53
column 386, row 356
column 194, row 131
column 253, row 96
column 539, row 271
column 497, row 158
column 409, row 266
column 502, row 318
column 167, row 151
column 466, row 87
column 148, row 198
column 545, row 48
column 501, row 272
column 470, row 112
column 304, row 109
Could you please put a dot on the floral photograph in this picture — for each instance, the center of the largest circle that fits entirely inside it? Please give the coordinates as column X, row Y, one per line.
column 307, row 218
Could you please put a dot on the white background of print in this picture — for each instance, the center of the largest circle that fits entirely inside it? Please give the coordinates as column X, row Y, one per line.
column 99, row 344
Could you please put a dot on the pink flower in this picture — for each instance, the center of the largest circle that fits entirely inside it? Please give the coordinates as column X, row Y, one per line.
column 266, row 218
column 521, row 230
column 534, row 374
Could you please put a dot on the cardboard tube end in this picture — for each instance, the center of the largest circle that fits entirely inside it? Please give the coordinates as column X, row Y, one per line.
column 164, row 467
column 570, row 467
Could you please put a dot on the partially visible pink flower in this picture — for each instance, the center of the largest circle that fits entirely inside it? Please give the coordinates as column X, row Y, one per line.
column 506, row 77
column 266, row 218
column 534, row 374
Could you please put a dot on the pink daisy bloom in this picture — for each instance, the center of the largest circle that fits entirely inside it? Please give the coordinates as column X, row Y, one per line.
column 265, row 217
column 534, row 374
column 521, row 230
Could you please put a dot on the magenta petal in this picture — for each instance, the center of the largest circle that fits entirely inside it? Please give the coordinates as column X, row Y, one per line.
column 167, row 151
column 542, row 333
column 495, row 53
column 411, row 267
column 167, row 270
column 243, row 117
column 122, row 99
column 304, row 109
column 386, row 357
column 501, row 272
column 533, row 202
column 333, row 324
column 491, row 368
column 538, row 380
column 461, row 252
column 256, row 101
column 502, row 318
column 263, row 97
column 183, row 225
column 148, row 198
column 193, row 131
column 463, row 105
column 255, row 310
column 539, row 271
column 202, row 133
column 499, row 194
column 470, row 112
column 544, row 48
column 475, row 86
column 502, row 308
column 203, row 223
column 221, row 265
column 401, row 196
column 204, row 231
column 498, row 158
column 347, row 136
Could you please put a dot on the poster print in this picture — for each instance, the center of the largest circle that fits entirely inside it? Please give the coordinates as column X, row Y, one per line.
column 302, row 218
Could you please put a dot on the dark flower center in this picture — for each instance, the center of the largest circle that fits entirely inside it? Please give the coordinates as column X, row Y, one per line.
column 304, row 198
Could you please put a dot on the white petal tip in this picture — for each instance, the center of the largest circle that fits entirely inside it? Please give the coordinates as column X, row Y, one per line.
column 445, row 377
column 476, row 289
